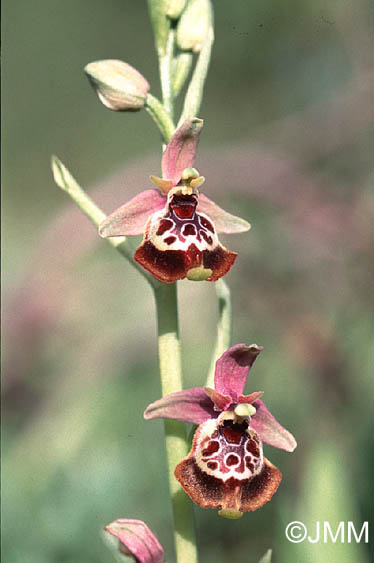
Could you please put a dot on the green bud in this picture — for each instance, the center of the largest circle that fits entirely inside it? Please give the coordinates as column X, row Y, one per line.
column 119, row 86
column 182, row 66
column 194, row 25
column 160, row 24
column 174, row 8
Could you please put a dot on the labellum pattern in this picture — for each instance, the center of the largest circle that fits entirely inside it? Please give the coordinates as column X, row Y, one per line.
column 226, row 468
column 179, row 240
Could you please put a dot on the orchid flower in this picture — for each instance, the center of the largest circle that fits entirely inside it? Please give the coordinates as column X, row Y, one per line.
column 226, row 468
column 180, row 226
column 133, row 538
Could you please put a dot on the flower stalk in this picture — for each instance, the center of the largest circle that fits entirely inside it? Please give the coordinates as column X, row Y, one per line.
column 195, row 89
column 160, row 116
column 166, row 70
column 182, row 66
column 177, row 446
column 68, row 184
column 178, row 158
column 224, row 327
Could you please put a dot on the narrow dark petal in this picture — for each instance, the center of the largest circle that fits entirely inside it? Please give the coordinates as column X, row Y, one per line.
column 251, row 398
column 232, row 369
column 192, row 405
column 221, row 402
column 269, row 429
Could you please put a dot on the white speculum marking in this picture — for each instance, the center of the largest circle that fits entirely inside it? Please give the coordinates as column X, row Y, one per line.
column 225, row 450
column 168, row 231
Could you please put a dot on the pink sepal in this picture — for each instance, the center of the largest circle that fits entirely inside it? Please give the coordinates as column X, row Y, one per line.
column 180, row 152
column 223, row 221
column 269, row 429
column 192, row 405
column 232, row 369
column 136, row 538
column 130, row 218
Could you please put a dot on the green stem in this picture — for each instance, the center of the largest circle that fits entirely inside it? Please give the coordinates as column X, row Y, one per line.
column 66, row 182
column 195, row 89
column 182, row 66
column 224, row 327
column 161, row 117
column 175, row 433
column 166, row 70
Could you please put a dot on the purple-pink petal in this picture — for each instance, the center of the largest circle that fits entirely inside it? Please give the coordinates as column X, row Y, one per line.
column 221, row 402
column 223, row 221
column 135, row 538
column 130, row 218
column 251, row 398
column 269, row 429
column 180, row 152
column 232, row 369
column 191, row 405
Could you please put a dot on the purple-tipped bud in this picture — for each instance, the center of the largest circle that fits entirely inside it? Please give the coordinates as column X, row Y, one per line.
column 134, row 538
column 119, row 86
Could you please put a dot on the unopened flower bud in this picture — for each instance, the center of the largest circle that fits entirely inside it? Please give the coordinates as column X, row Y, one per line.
column 174, row 8
column 133, row 539
column 119, row 86
column 194, row 25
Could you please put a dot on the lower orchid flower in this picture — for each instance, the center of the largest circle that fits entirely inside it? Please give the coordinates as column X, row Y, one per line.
column 226, row 468
column 180, row 226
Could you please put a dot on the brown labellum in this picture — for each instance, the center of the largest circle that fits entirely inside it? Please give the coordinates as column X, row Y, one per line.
column 226, row 469
column 178, row 240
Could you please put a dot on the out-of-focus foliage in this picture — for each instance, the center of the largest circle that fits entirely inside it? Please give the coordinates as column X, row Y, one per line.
column 287, row 145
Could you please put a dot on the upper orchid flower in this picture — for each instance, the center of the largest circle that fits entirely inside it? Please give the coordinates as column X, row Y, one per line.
column 226, row 468
column 133, row 538
column 180, row 225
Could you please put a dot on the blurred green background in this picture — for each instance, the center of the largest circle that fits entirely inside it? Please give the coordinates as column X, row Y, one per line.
column 287, row 144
